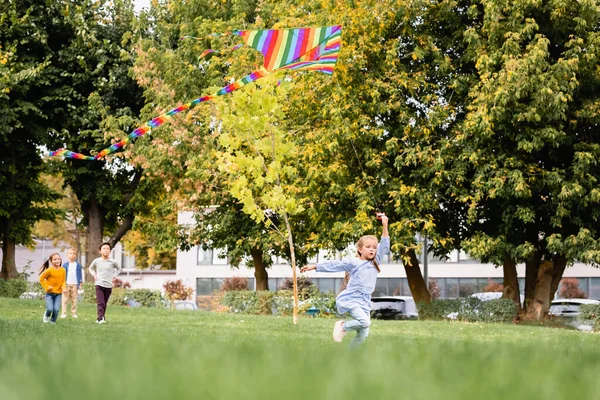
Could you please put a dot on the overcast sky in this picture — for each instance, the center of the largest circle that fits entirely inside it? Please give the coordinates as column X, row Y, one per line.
column 139, row 4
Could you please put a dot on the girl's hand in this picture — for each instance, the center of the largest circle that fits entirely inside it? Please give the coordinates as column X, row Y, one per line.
column 383, row 218
column 308, row 268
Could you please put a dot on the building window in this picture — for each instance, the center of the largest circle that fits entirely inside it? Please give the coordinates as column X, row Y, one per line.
column 594, row 288
column 204, row 257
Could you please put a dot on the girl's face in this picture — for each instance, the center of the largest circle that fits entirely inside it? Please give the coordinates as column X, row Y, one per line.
column 368, row 249
column 56, row 261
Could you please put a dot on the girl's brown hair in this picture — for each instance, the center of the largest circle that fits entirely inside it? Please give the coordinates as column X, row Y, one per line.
column 360, row 244
column 46, row 263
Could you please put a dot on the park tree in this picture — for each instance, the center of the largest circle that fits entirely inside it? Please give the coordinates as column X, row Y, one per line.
column 529, row 136
column 103, row 107
column 32, row 33
column 182, row 153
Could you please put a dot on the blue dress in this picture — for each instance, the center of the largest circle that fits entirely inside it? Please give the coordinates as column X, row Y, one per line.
column 363, row 277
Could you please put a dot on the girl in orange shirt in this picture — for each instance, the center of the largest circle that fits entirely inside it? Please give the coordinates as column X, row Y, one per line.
column 53, row 278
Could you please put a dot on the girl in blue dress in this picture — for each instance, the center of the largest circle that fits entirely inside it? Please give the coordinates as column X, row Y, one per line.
column 363, row 270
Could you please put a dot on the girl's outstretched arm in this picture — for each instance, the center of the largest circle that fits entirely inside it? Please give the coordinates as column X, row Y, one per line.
column 384, row 223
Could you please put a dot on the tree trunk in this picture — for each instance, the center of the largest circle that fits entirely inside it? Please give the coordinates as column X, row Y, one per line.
column 95, row 216
column 511, row 282
column 539, row 307
column 293, row 260
column 416, row 283
column 122, row 229
column 531, row 273
column 560, row 263
column 260, row 272
column 9, row 267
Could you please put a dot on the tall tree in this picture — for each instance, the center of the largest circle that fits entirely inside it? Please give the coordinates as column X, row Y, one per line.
column 102, row 106
column 31, row 34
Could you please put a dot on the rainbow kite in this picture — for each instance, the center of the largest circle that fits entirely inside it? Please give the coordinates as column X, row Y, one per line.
column 310, row 49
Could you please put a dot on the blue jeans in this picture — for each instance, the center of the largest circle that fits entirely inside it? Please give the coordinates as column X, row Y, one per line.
column 360, row 324
column 53, row 305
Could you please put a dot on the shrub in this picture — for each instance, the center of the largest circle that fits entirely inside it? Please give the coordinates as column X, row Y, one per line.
column 176, row 290
column 89, row 292
column 569, row 289
column 283, row 302
column 434, row 288
column 118, row 297
column 241, row 301
column 304, row 286
column 117, row 283
column 493, row 286
column 469, row 309
column 37, row 288
column 13, row 288
column 438, row 309
column 146, row 297
column 591, row 312
column 235, row 283
column 498, row 310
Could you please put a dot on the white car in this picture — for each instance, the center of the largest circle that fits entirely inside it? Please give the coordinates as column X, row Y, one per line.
column 570, row 308
column 394, row 307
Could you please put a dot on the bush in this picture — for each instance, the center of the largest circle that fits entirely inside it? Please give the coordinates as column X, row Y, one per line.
column 434, row 288
column 305, row 286
column 117, row 283
column 241, row 301
column 569, row 289
column 493, row 286
column 469, row 309
column 37, row 288
column 13, row 288
column 118, row 297
column 146, row 297
column 591, row 312
column 176, row 290
column 89, row 292
column 283, row 302
column 438, row 309
column 235, row 283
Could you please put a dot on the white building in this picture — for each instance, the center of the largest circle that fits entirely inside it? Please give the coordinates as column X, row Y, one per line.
column 456, row 277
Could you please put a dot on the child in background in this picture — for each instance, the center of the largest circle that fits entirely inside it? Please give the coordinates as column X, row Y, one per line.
column 356, row 298
column 104, row 270
column 74, row 280
column 53, row 278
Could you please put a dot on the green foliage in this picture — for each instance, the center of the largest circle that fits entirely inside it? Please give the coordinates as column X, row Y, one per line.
column 89, row 292
column 591, row 312
column 278, row 303
column 145, row 297
column 13, row 287
column 469, row 309
column 118, row 297
column 283, row 302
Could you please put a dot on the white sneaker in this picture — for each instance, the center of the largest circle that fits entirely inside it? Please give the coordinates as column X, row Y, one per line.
column 63, row 315
column 338, row 331
column 45, row 318
column 102, row 321
column 74, row 315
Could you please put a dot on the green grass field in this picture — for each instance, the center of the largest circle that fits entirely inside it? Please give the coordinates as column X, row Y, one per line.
column 165, row 354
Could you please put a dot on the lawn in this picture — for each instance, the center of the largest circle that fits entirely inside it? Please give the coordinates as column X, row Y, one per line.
column 165, row 354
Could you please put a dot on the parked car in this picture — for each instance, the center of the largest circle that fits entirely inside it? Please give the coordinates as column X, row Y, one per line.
column 186, row 305
column 394, row 307
column 487, row 296
column 570, row 310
